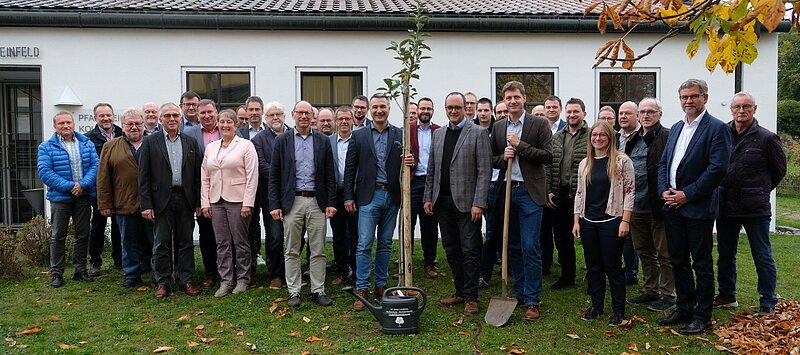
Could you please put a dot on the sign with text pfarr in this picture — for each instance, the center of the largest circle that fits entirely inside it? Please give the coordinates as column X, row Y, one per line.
column 19, row 52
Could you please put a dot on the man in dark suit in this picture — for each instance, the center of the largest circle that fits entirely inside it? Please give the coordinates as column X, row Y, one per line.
column 343, row 225
column 302, row 193
column 169, row 194
column 205, row 133
column 526, row 138
column 421, row 135
column 374, row 158
column 694, row 163
column 459, row 169
column 255, row 109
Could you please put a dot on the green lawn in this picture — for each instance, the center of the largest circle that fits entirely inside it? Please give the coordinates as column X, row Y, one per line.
column 103, row 317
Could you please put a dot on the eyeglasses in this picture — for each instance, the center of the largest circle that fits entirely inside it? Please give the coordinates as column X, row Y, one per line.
column 648, row 112
column 454, row 108
column 301, row 113
column 131, row 124
column 275, row 114
column 189, row 104
column 596, row 135
column 745, row 107
column 693, row 97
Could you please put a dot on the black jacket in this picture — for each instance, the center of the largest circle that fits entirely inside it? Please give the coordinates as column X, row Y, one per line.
column 96, row 136
column 656, row 140
column 282, row 172
column 155, row 172
column 757, row 165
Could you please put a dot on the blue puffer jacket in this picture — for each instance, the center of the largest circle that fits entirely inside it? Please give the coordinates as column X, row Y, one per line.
column 56, row 173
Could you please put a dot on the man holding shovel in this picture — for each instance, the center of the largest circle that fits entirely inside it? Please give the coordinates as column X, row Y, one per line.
column 523, row 140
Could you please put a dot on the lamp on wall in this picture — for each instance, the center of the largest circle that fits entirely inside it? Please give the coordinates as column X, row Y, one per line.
column 68, row 98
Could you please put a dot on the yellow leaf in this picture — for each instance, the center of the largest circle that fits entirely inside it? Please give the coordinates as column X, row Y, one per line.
column 325, row 328
column 517, row 351
column 192, row 344
column 692, row 48
column 282, row 313
column 633, row 347
column 200, row 327
column 573, row 336
column 273, row 307
column 147, row 320
column 721, row 348
column 182, row 318
column 464, row 333
column 294, row 334
column 306, row 319
column 66, row 346
column 312, row 339
column 31, row 330
column 142, row 288
column 162, row 349
column 774, row 14
column 602, row 22
column 306, row 353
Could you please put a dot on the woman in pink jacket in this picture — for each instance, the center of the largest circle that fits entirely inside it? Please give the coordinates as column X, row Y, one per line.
column 229, row 180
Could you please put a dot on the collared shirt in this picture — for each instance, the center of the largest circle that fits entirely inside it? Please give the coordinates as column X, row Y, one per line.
column 341, row 151
column 175, row 152
column 554, row 128
column 209, row 136
column 625, row 137
column 366, row 123
column 107, row 136
column 681, row 146
column 187, row 124
column 304, row 162
column 516, row 174
column 149, row 132
column 253, row 131
column 74, row 151
column 381, row 142
column 424, row 134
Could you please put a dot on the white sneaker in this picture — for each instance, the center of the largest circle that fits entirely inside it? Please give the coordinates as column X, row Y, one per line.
column 260, row 261
column 223, row 291
column 240, row 287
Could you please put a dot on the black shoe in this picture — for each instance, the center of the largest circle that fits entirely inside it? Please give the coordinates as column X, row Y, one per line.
column 592, row 313
column 675, row 318
column 616, row 320
column 695, row 327
column 643, row 298
column 94, row 270
column 322, row 299
column 82, row 276
column 662, row 305
column 57, row 281
column 725, row 301
column 546, row 272
column 560, row 284
column 630, row 281
column 131, row 283
column 294, row 300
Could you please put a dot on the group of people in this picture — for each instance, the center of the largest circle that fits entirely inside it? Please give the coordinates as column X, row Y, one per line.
column 657, row 188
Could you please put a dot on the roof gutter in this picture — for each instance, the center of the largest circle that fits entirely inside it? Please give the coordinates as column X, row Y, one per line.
column 312, row 22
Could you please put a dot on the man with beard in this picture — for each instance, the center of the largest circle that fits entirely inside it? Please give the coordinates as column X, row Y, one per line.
column 151, row 125
column 421, row 135
column 360, row 108
column 104, row 131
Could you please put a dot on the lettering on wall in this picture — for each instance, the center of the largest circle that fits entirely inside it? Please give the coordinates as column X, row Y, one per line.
column 19, row 52
column 84, row 121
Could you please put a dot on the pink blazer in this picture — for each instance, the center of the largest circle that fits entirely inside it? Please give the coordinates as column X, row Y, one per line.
column 230, row 174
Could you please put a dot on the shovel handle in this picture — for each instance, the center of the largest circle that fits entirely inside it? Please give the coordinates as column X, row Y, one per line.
column 506, row 217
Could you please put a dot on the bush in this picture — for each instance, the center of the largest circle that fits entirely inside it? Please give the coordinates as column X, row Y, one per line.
column 789, row 117
column 10, row 265
column 33, row 241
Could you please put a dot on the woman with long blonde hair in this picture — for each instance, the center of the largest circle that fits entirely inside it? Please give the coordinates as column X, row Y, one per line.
column 603, row 208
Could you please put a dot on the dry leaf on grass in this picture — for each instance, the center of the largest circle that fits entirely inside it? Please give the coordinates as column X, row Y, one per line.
column 31, row 330
column 372, row 348
column 325, row 328
column 142, row 288
column 464, row 333
column 503, row 347
column 282, row 313
column 326, row 344
column 147, row 320
column 312, row 339
column 66, row 346
column 207, row 340
column 306, row 353
column 273, row 307
column 199, row 313
column 162, row 349
column 633, row 347
column 199, row 327
column 199, row 334
column 774, row 333
column 239, row 332
column 69, row 304
column 306, row 319
column 21, row 346
column 647, row 346
column 279, row 299
column 610, row 333
column 192, row 344
column 516, row 351
column 574, row 336
column 252, row 346
column 83, row 342
column 55, row 319
column 187, row 325
column 220, row 323
column 294, row 334
column 182, row 318
column 9, row 339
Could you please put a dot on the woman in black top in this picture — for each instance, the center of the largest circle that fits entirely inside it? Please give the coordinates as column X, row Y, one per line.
column 603, row 208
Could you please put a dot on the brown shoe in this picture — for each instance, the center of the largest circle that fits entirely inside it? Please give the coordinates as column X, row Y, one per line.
column 430, row 272
column 378, row 292
column 471, row 308
column 208, row 282
column 338, row 280
column 162, row 291
column 532, row 313
column 451, row 301
column 358, row 305
column 190, row 289
column 275, row 284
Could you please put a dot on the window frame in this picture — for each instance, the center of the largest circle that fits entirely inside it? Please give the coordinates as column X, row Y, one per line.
column 185, row 71
column 643, row 70
column 523, row 70
column 300, row 70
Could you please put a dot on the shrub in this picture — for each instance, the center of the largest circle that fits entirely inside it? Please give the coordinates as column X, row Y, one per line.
column 33, row 241
column 10, row 265
column 789, row 117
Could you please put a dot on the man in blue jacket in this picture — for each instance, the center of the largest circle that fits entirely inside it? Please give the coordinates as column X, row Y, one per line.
column 68, row 167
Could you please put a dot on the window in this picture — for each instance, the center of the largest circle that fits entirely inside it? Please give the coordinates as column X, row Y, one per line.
column 228, row 89
column 330, row 89
column 538, row 85
column 617, row 87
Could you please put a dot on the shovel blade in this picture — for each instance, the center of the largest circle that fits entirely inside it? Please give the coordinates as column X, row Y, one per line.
column 500, row 310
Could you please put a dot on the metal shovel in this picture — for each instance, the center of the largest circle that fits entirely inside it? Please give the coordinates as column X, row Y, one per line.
column 501, row 307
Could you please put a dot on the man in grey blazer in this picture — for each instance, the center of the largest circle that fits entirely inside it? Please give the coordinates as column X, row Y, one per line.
column 456, row 187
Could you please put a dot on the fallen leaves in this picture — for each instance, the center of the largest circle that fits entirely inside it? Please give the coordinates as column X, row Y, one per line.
column 279, row 300
column 775, row 333
column 313, row 339
column 192, row 344
column 182, row 318
column 573, row 336
column 199, row 327
column 294, row 334
column 147, row 320
column 252, row 346
column 207, row 340
column 325, row 328
column 372, row 348
column 54, row 318
column 633, row 347
column 31, row 330
column 464, row 333
column 162, row 349
column 282, row 313
column 66, row 346
column 610, row 333
column 142, row 288
column 517, row 351
column 273, row 307
column 306, row 319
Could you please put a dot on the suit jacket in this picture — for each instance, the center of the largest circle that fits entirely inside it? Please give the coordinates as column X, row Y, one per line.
column 470, row 168
column 230, row 174
column 533, row 153
column 334, row 138
column 361, row 167
column 155, row 172
column 118, row 178
column 560, row 124
column 414, row 129
column 702, row 168
column 97, row 138
column 283, row 169
column 196, row 132
column 263, row 143
column 244, row 131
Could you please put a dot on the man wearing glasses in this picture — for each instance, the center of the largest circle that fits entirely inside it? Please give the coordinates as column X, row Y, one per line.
column 189, row 102
column 360, row 109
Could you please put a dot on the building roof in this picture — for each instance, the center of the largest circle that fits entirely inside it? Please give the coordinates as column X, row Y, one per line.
column 330, row 7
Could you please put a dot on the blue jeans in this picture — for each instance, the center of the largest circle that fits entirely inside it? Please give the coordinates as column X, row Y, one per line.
column 524, row 250
column 137, row 244
column 380, row 213
column 757, row 229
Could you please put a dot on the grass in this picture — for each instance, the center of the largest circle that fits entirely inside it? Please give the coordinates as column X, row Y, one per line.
column 787, row 210
column 103, row 317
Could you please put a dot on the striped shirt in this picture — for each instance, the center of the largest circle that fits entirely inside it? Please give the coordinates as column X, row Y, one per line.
column 74, row 152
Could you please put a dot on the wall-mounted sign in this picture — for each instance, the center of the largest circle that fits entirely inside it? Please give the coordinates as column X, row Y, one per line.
column 19, row 52
column 84, row 121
